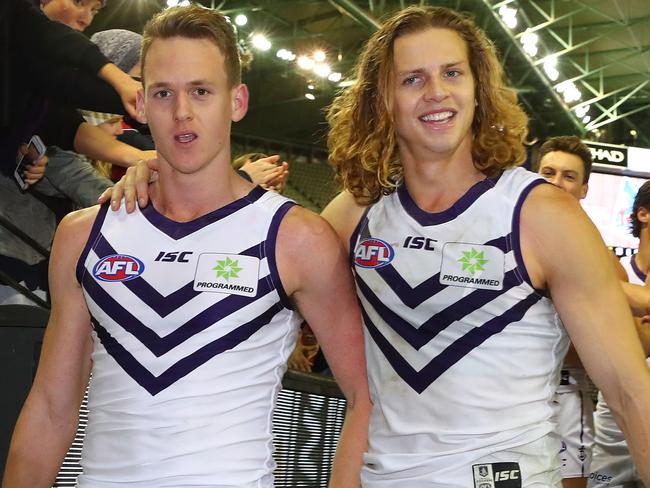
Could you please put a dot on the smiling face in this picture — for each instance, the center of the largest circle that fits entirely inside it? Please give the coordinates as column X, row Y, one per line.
column 566, row 171
column 76, row 14
column 433, row 94
column 189, row 103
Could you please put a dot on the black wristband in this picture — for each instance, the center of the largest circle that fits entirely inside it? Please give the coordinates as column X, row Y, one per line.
column 244, row 175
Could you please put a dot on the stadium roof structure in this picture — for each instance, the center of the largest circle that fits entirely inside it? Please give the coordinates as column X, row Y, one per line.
column 579, row 66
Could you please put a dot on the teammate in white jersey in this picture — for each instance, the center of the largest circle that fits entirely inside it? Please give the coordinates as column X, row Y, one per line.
column 454, row 253
column 175, row 367
column 424, row 136
column 612, row 465
column 565, row 161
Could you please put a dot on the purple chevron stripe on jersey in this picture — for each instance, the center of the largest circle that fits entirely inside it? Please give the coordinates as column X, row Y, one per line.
column 161, row 304
column 461, row 347
column 463, row 203
column 502, row 243
column 156, row 384
column 413, row 296
column 637, row 271
column 160, row 345
column 178, row 230
column 94, row 232
column 420, row 336
column 269, row 250
column 516, row 242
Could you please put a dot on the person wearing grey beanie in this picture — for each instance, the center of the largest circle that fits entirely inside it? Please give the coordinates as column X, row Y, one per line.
column 122, row 47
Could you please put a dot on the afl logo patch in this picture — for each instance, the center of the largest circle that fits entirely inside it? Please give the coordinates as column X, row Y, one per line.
column 118, row 267
column 373, row 253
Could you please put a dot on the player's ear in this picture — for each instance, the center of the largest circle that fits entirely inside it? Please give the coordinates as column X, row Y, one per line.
column 239, row 96
column 139, row 106
column 643, row 215
column 585, row 189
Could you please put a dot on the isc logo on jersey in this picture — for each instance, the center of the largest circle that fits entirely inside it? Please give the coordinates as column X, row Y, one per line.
column 118, row 267
column 373, row 253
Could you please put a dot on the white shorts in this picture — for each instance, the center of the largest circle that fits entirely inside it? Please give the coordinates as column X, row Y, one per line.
column 575, row 423
column 612, row 464
column 533, row 465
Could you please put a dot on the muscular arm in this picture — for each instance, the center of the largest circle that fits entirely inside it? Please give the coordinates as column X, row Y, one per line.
column 48, row 420
column 343, row 213
column 588, row 297
column 316, row 275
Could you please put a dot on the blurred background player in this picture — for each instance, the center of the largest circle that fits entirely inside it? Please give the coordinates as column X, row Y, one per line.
column 566, row 163
column 612, row 465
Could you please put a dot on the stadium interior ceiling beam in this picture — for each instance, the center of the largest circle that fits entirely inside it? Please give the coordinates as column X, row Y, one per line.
column 616, row 80
column 611, row 113
column 359, row 15
column 618, row 117
column 535, row 67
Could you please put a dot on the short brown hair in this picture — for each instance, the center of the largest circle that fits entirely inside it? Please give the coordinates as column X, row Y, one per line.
column 568, row 144
column 195, row 22
column 362, row 141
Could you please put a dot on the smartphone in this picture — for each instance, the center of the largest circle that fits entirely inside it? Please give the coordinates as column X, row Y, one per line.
column 35, row 149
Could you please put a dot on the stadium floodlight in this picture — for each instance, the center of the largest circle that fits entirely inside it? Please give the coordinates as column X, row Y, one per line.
column 305, row 62
column 582, row 110
column 241, row 20
column 319, row 56
column 569, row 91
column 322, row 69
column 310, row 96
column 261, row 42
column 529, row 42
column 508, row 15
column 550, row 68
column 285, row 54
column 335, row 76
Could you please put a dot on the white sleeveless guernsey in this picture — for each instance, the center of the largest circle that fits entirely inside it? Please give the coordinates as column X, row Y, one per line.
column 463, row 354
column 192, row 331
column 612, row 463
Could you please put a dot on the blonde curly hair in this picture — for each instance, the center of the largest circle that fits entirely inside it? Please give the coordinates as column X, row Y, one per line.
column 362, row 141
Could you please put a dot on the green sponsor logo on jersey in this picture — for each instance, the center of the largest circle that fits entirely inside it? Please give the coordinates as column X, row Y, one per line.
column 473, row 261
column 227, row 268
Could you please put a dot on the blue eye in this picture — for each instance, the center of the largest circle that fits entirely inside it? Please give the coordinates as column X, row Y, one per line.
column 410, row 80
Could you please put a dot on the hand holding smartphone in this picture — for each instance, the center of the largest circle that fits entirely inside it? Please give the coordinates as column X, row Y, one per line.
column 35, row 150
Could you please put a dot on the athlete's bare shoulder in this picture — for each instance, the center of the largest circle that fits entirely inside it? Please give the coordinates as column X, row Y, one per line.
column 306, row 243
column 73, row 231
column 343, row 213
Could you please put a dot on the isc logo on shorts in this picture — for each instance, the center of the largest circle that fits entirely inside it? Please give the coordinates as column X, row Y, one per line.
column 497, row 475
column 118, row 267
column 373, row 253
